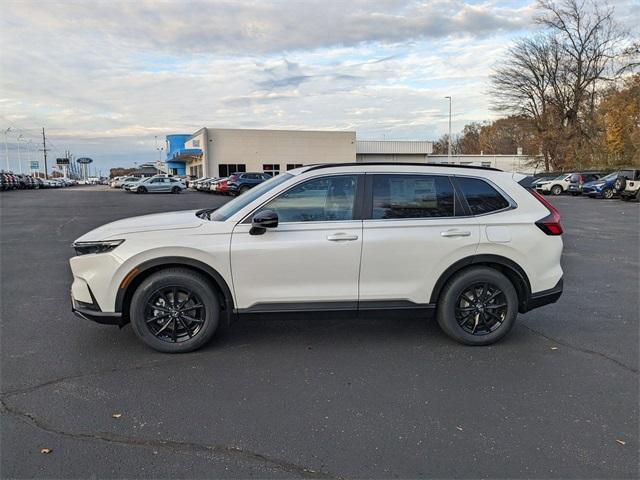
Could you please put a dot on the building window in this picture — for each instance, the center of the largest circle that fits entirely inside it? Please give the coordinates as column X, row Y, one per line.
column 272, row 169
column 196, row 143
column 291, row 166
column 486, row 164
column 226, row 169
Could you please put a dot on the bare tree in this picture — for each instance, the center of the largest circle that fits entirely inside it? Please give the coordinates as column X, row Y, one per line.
column 554, row 77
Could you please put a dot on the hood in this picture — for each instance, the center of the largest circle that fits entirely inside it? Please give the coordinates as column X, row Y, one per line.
column 144, row 223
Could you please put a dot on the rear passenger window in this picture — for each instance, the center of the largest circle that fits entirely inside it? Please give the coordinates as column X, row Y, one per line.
column 412, row 196
column 481, row 197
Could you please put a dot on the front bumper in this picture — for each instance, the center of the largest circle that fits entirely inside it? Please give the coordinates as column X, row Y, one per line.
column 91, row 311
column 540, row 299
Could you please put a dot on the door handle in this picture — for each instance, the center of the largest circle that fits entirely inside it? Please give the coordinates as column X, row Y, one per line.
column 341, row 237
column 456, row 233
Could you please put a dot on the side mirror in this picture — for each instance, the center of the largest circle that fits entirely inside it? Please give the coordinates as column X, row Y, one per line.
column 263, row 220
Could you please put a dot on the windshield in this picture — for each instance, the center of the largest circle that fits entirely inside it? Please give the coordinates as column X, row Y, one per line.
column 560, row 177
column 245, row 199
column 611, row 176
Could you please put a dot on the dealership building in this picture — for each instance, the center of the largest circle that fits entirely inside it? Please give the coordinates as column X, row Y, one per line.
column 218, row 152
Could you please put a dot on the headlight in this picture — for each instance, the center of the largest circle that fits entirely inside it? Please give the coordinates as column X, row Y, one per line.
column 84, row 248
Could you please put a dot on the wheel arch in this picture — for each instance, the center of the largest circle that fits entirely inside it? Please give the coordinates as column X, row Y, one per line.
column 506, row 266
column 139, row 273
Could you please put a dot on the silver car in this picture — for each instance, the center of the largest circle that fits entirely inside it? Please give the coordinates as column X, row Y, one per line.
column 158, row 185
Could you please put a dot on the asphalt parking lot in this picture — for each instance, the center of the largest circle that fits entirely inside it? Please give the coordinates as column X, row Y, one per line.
column 558, row 398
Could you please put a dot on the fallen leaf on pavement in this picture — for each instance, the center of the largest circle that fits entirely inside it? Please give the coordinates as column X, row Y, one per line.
column 45, row 450
column 621, row 442
column 116, row 415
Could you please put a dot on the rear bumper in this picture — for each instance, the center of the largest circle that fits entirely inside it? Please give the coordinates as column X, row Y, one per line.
column 540, row 299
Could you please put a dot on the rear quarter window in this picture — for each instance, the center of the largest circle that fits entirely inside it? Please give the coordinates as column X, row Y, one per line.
column 481, row 196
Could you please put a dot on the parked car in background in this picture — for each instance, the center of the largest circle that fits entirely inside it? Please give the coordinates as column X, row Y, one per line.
column 158, row 184
column 219, row 186
column 578, row 179
column 203, row 185
column 240, row 182
column 628, row 184
column 555, row 186
column 118, row 183
column 602, row 187
column 193, row 184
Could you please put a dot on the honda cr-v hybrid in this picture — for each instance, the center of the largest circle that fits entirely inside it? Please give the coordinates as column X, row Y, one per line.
column 468, row 245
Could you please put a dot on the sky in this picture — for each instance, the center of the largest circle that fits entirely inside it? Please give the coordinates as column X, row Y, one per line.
column 105, row 78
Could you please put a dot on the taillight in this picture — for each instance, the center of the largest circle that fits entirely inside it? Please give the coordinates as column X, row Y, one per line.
column 551, row 223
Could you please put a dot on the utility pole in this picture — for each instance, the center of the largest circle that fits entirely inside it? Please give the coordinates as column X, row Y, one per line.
column 449, row 142
column 44, row 152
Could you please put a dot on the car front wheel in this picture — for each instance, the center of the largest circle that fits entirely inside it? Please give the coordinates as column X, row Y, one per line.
column 607, row 193
column 478, row 306
column 175, row 190
column 141, row 190
column 175, row 311
column 556, row 190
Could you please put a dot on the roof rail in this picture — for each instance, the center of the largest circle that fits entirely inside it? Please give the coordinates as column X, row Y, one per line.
column 412, row 164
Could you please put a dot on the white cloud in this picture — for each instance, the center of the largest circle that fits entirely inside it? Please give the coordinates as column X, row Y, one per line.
column 106, row 77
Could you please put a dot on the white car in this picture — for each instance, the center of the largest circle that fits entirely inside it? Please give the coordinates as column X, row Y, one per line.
column 556, row 186
column 468, row 245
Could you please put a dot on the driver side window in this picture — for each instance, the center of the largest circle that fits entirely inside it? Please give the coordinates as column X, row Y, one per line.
column 323, row 199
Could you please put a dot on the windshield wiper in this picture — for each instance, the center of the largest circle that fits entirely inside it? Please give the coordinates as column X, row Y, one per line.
column 206, row 212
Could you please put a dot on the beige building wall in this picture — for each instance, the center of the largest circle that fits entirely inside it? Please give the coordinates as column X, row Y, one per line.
column 256, row 148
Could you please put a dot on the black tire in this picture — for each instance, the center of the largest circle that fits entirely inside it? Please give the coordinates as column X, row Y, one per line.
column 625, row 198
column 575, row 194
column 141, row 190
column 620, row 184
column 608, row 193
column 455, row 311
column 556, row 190
column 175, row 190
column 243, row 189
column 191, row 315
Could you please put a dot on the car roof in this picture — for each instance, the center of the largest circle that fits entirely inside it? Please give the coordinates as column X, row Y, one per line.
column 398, row 164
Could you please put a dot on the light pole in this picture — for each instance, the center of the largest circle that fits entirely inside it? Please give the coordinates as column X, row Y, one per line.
column 6, row 148
column 449, row 142
column 20, row 137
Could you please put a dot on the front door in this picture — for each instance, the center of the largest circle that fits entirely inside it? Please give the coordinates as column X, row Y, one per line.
column 311, row 261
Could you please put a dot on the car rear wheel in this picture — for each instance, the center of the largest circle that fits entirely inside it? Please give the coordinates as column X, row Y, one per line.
column 478, row 306
column 175, row 311
column 607, row 193
column 556, row 189
column 243, row 189
column 141, row 190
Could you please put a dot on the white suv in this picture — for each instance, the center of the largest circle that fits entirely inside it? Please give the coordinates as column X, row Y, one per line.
column 556, row 186
column 467, row 244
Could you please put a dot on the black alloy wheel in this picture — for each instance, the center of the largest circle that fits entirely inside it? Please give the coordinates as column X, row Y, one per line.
column 141, row 190
column 481, row 308
column 175, row 190
column 477, row 306
column 175, row 310
column 174, row 314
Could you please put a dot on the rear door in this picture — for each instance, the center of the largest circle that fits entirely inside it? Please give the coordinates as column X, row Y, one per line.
column 414, row 228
